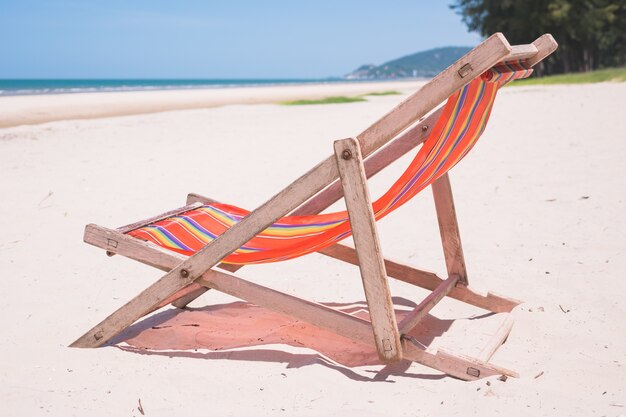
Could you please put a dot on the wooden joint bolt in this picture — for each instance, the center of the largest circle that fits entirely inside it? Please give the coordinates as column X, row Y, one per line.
column 184, row 273
column 465, row 70
column 387, row 345
column 346, row 154
column 98, row 335
column 473, row 372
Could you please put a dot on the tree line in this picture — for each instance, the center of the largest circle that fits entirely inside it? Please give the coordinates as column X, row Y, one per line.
column 591, row 33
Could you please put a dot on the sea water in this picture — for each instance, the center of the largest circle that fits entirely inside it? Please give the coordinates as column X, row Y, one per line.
column 42, row 86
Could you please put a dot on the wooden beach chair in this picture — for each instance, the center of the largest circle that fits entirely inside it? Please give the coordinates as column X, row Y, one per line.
column 236, row 237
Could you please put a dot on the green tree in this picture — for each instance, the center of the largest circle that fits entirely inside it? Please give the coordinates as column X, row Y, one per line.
column 591, row 33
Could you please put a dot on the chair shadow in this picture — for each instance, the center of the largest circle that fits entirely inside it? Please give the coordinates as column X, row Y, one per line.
column 232, row 331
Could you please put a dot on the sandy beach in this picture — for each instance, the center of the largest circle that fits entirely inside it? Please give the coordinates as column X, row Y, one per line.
column 540, row 202
column 20, row 110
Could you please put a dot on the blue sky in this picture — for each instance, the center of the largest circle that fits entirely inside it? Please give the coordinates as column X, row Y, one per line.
column 207, row 39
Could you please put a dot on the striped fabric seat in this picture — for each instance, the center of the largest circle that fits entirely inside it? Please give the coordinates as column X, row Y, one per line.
column 461, row 123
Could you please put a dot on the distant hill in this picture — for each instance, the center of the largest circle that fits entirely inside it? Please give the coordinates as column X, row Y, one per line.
column 421, row 64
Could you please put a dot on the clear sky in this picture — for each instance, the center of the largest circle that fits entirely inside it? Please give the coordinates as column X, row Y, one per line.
column 209, row 39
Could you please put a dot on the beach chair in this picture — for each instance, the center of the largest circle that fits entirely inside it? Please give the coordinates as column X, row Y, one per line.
column 190, row 242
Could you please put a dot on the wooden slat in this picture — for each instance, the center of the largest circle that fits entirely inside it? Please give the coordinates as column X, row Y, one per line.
column 368, row 250
column 449, row 228
column 418, row 313
column 498, row 338
column 429, row 281
column 150, row 254
column 521, row 52
column 281, row 204
column 474, row 63
column 484, row 56
column 424, row 279
column 545, row 45
column 486, row 51
column 276, row 207
column 317, row 314
column 374, row 164
column 158, row 217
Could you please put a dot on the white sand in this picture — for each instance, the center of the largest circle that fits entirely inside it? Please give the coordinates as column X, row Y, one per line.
column 541, row 202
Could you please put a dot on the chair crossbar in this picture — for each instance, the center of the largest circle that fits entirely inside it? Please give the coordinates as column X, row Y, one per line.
column 428, row 280
column 418, row 313
column 158, row 217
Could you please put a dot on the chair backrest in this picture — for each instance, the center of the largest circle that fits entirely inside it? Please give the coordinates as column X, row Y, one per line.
column 457, row 130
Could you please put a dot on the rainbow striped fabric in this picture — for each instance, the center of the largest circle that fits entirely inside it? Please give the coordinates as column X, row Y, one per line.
column 506, row 72
column 461, row 123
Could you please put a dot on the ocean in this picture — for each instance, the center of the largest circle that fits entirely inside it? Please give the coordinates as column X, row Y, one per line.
column 15, row 87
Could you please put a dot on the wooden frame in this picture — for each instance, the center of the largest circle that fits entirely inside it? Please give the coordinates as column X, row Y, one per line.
column 342, row 174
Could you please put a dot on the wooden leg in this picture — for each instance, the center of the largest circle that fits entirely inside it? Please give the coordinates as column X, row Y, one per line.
column 449, row 228
column 373, row 273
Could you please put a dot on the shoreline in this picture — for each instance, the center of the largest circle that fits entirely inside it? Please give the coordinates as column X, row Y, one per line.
column 37, row 109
